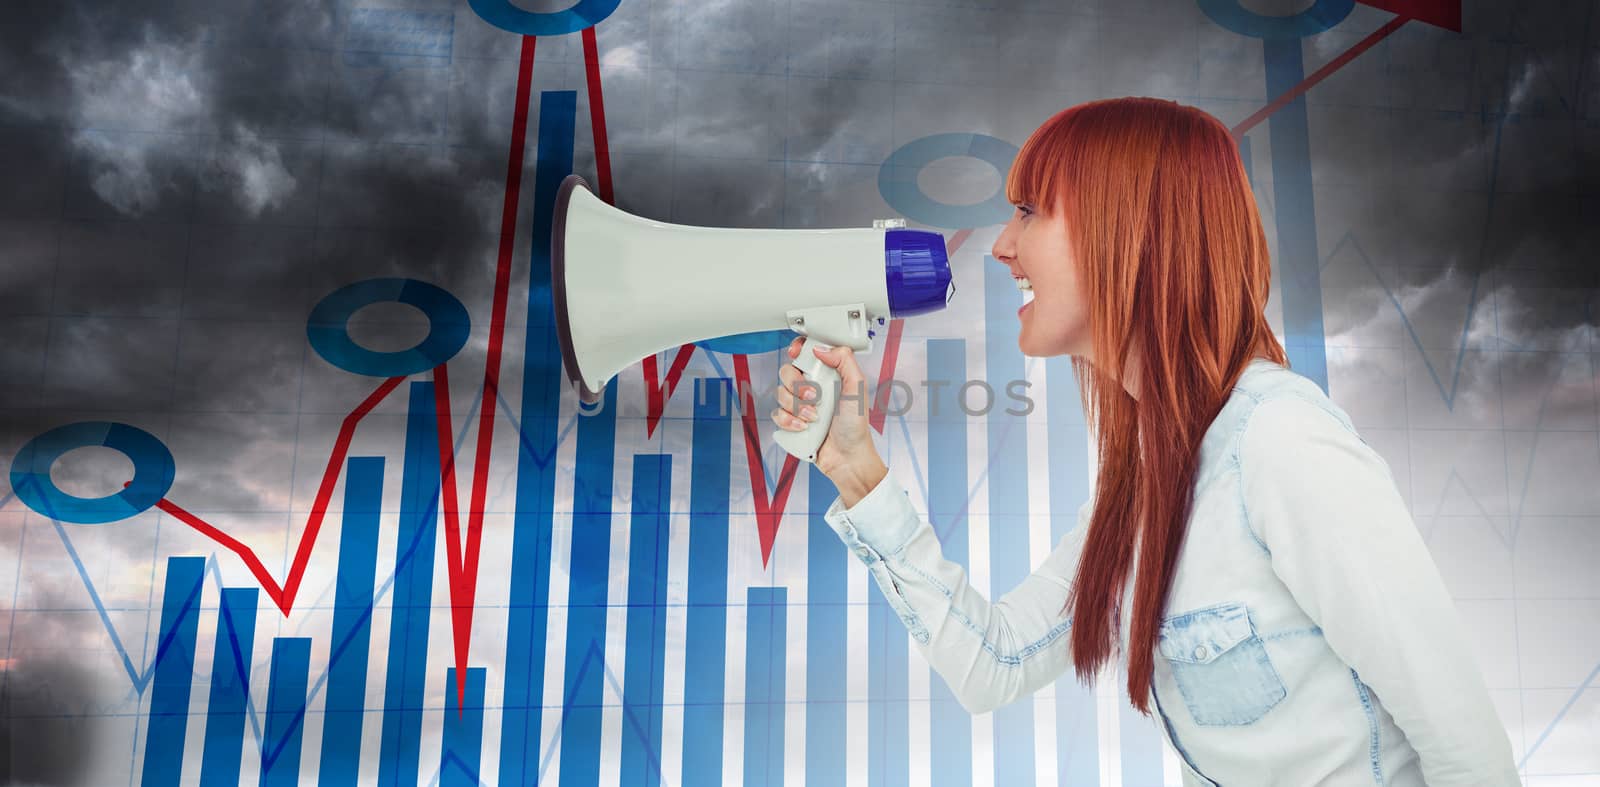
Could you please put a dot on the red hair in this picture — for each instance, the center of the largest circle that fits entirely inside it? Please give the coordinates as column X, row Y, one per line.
column 1174, row 261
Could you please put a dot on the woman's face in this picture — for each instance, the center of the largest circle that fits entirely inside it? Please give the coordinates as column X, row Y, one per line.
column 1034, row 246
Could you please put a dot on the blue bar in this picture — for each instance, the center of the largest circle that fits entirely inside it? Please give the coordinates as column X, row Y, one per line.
column 764, row 652
column 706, row 623
column 590, row 572
column 352, row 622
column 1141, row 741
column 230, row 688
column 413, row 595
column 888, row 701
column 1008, row 497
column 286, row 710
column 643, row 687
column 1299, row 267
column 463, row 731
column 1077, row 731
column 528, row 615
column 827, row 638
column 174, row 671
column 951, row 735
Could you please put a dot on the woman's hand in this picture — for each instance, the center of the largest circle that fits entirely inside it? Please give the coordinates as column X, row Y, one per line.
column 847, row 456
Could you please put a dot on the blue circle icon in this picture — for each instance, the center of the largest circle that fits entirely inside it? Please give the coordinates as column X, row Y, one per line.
column 897, row 180
column 504, row 15
column 153, row 471
column 448, row 327
column 1322, row 15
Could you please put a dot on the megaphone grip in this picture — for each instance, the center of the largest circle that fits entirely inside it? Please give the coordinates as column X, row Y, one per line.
column 804, row 443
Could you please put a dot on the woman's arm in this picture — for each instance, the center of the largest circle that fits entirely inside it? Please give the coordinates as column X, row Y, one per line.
column 1325, row 505
column 989, row 654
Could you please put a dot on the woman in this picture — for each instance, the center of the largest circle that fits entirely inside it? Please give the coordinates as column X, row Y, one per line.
column 1282, row 614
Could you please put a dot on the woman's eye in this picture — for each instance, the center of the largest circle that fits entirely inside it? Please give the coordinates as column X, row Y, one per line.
column 1025, row 210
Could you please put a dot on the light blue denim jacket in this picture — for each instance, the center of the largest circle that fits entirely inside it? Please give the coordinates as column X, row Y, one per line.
column 1308, row 637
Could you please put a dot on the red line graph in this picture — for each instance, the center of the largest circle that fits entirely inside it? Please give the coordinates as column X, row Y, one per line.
column 283, row 595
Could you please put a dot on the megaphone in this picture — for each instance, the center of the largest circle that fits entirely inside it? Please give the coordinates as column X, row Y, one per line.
column 626, row 287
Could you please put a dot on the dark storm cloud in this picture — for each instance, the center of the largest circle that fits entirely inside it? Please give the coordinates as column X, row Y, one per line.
column 1463, row 167
column 48, row 725
column 50, row 720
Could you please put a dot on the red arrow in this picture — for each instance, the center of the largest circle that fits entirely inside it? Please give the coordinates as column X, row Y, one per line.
column 1440, row 13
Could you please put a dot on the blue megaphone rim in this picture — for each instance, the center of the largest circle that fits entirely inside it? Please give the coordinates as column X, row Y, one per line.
column 916, row 272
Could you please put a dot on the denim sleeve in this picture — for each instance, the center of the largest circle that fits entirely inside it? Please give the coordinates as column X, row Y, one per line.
column 989, row 654
column 1340, row 537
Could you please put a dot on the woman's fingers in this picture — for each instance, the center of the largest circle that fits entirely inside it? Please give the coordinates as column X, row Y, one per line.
column 787, row 420
column 794, row 383
column 793, row 411
column 787, row 377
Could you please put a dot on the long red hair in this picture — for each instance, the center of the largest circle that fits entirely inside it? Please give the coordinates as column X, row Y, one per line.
column 1174, row 261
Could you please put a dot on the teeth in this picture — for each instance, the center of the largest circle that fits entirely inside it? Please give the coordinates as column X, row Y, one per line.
column 1024, row 284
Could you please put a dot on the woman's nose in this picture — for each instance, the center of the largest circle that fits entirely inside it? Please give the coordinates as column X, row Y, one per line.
column 1001, row 251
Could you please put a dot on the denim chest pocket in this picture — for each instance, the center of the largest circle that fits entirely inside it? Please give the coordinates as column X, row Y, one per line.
column 1220, row 665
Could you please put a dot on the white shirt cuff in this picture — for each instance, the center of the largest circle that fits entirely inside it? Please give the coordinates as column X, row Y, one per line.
column 880, row 523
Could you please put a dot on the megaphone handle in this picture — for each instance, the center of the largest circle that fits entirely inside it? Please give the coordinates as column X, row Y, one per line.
column 803, row 444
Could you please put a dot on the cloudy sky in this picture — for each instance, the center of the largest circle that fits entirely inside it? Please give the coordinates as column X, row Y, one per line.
column 185, row 179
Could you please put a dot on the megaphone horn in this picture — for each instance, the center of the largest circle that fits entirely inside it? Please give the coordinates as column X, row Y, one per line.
column 626, row 287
